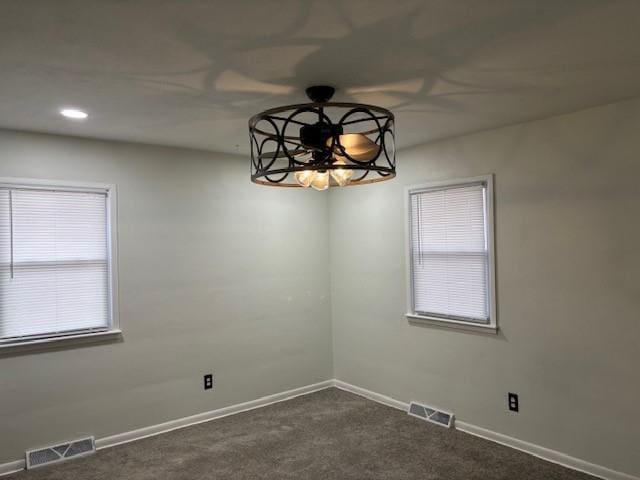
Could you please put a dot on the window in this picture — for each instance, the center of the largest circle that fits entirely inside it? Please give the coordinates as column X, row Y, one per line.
column 56, row 269
column 451, row 253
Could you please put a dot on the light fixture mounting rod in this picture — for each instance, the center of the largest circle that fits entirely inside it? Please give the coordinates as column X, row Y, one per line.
column 320, row 93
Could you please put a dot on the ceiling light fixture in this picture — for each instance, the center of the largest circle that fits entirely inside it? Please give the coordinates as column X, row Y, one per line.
column 73, row 113
column 322, row 144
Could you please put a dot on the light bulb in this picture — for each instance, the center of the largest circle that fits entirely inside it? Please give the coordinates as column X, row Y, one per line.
column 321, row 181
column 342, row 176
column 305, row 177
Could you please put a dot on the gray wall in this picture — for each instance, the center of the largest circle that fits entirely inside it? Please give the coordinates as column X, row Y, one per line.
column 567, row 237
column 219, row 275
column 216, row 275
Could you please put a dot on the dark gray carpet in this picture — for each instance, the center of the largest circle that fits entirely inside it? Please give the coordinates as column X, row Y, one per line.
column 325, row 435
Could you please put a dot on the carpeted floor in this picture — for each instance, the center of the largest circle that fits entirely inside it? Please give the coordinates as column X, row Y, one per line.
column 330, row 434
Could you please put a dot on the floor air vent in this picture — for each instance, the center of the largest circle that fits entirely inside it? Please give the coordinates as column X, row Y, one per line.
column 431, row 414
column 58, row 453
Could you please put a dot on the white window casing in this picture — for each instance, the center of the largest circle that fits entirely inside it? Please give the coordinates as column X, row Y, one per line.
column 450, row 253
column 58, row 269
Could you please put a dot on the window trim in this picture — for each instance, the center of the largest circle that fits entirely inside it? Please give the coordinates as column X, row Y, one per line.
column 113, row 331
column 414, row 317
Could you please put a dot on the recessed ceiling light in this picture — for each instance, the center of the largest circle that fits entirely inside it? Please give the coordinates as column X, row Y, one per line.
column 73, row 113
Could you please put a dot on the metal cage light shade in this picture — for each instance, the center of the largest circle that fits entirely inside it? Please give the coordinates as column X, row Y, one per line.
column 322, row 143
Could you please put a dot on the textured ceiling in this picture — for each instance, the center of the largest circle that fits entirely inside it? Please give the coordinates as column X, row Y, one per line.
column 191, row 72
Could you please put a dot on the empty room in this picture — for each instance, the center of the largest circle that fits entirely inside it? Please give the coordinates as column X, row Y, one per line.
column 320, row 239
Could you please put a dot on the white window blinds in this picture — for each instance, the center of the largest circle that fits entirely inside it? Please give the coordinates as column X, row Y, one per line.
column 54, row 263
column 449, row 252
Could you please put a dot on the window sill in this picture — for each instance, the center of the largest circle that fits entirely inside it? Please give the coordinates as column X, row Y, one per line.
column 454, row 324
column 60, row 342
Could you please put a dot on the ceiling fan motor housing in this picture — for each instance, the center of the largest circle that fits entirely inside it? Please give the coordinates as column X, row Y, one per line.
column 318, row 137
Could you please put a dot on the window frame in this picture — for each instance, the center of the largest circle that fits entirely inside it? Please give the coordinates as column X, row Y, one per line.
column 492, row 325
column 113, row 330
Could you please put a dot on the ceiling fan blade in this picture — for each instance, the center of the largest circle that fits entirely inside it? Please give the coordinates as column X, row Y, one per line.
column 358, row 146
column 299, row 152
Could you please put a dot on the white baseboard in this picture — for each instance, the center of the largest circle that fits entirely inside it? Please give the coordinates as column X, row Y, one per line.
column 165, row 427
column 535, row 450
column 133, row 435
column 376, row 397
column 12, row 467
column 545, row 453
